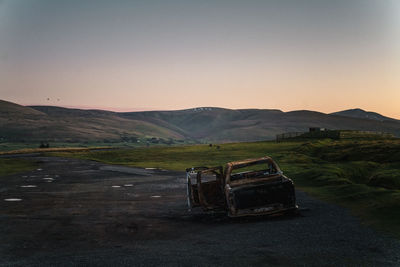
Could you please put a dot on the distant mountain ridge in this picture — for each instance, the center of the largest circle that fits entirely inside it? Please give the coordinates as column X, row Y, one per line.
column 362, row 114
column 204, row 124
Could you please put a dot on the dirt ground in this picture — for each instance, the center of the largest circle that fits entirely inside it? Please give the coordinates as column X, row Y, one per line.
column 80, row 213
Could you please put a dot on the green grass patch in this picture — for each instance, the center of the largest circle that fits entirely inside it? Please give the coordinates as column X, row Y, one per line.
column 13, row 166
column 51, row 149
column 363, row 176
column 182, row 157
column 142, row 142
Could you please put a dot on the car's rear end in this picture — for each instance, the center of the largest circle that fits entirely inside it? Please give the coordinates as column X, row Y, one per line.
column 262, row 191
column 273, row 197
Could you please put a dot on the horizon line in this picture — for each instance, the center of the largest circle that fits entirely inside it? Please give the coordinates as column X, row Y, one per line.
column 127, row 110
column 144, row 109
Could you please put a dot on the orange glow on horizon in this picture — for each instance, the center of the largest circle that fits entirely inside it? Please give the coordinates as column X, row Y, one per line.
column 250, row 54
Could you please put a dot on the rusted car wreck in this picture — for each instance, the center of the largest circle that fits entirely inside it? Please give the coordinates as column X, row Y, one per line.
column 242, row 188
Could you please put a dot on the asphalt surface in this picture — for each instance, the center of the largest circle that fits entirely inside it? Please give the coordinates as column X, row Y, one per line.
column 92, row 214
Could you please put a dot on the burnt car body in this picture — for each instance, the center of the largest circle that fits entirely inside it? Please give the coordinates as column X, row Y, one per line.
column 242, row 188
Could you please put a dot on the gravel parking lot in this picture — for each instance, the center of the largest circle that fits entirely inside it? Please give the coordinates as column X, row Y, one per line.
column 72, row 212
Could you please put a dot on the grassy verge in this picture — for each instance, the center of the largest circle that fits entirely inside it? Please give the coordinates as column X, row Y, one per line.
column 52, row 149
column 363, row 176
column 181, row 157
column 8, row 146
column 13, row 166
column 142, row 142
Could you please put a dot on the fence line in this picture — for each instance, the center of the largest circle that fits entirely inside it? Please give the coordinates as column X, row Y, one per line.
column 335, row 134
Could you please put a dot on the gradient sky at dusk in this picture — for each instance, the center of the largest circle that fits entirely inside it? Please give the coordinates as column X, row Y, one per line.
column 140, row 55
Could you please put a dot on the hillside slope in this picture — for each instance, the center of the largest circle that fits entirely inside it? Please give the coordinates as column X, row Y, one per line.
column 224, row 125
column 208, row 124
column 362, row 114
column 9, row 109
column 38, row 123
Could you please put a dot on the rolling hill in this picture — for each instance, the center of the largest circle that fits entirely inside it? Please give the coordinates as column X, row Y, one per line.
column 37, row 123
column 362, row 114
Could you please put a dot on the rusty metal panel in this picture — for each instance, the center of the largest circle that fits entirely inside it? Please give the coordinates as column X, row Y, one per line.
column 250, row 192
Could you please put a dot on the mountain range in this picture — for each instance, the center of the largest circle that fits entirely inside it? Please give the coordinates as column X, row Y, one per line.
column 205, row 124
column 362, row 114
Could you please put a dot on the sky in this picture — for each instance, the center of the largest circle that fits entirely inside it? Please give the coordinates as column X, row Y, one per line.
column 165, row 55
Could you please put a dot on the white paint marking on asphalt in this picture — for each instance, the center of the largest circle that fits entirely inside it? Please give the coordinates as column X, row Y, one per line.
column 115, row 186
column 39, row 169
column 49, row 181
column 28, row 186
column 48, row 178
column 128, row 185
column 150, row 168
column 12, row 199
column 155, row 196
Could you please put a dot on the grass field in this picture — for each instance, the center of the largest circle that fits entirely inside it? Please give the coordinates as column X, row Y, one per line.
column 363, row 176
column 51, row 149
column 13, row 147
column 12, row 166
